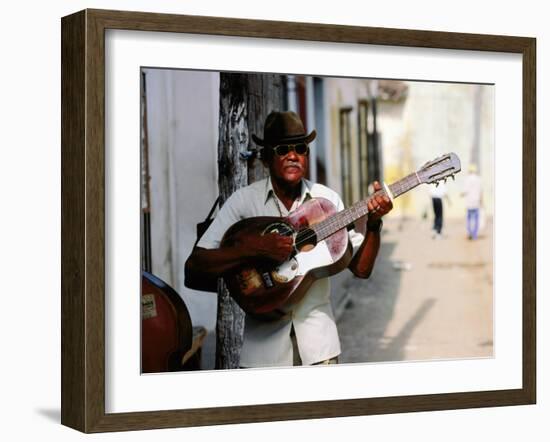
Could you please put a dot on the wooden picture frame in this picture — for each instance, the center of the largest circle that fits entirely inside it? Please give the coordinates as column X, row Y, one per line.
column 83, row 220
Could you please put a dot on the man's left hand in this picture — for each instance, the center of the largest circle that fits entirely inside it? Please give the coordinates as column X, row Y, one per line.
column 378, row 205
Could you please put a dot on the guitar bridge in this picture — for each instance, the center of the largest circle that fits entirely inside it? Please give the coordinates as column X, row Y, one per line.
column 286, row 272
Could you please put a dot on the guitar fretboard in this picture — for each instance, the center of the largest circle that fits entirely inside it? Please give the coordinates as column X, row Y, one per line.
column 405, row 184
column 342, row 219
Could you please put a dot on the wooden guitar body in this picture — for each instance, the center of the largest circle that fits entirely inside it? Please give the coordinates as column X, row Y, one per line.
column 267, row 290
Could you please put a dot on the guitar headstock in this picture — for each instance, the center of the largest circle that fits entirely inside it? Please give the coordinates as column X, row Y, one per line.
column 439, row 169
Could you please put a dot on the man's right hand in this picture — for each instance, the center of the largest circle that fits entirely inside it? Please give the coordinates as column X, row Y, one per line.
column 215, row 262
column 271, row 246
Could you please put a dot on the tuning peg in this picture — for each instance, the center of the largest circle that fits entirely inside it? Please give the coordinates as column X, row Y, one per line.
column 436, row 183
column 445, row 180
column 453, row 176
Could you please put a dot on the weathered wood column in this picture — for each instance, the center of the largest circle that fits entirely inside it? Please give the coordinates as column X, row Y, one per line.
column 245, row 101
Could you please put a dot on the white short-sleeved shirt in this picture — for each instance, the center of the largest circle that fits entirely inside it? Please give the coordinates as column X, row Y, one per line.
column 268, row 343
column 472, row 190
column 438, row 191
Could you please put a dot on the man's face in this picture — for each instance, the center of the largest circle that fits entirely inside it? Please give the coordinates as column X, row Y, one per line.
column 289, row 168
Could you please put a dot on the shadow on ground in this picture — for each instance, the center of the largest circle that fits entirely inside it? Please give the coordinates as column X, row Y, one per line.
column 368, row 310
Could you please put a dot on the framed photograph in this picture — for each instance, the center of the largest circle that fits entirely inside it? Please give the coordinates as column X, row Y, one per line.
column 165, row 117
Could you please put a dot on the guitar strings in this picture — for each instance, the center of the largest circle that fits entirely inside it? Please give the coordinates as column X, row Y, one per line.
column 325, row 226
column 397, row 189
column 330, row 223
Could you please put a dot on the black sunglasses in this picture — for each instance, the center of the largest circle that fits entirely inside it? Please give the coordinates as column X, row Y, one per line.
column 284, row 149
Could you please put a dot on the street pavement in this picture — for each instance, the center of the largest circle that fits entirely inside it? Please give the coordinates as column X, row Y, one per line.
column 427, row 298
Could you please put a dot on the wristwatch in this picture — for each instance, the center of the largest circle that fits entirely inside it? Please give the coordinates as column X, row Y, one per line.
column 375, row 226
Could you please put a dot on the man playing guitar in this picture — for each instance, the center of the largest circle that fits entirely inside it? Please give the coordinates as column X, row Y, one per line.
column 307, row 333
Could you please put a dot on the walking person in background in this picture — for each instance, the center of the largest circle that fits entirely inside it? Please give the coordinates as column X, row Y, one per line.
column 472, row 193
column 438, row 193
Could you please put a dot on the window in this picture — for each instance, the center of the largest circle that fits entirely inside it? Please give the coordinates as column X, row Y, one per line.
column 345, row 155
column 363, row 141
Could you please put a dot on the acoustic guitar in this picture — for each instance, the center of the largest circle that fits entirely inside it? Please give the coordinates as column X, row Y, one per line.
column 321, row 245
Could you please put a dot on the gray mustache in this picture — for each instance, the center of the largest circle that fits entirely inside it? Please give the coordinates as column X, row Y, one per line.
column 294, row 164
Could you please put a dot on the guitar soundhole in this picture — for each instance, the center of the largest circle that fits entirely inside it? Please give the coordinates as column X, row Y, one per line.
column 306, row 239
column 280, row 228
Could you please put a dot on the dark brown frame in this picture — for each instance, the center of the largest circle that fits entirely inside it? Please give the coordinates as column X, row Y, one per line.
column 83, row 216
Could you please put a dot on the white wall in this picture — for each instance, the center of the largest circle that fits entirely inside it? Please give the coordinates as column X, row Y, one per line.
column 434, row 119
column 182, row 114
column 341, row 93
column 30, row 79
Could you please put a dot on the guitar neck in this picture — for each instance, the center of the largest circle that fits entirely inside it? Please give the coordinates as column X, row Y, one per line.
column 348, row 216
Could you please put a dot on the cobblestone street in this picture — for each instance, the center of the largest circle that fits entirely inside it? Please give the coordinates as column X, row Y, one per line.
column 427, row 298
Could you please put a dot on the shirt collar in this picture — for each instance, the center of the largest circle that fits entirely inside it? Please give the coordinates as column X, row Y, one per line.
column 305, row 191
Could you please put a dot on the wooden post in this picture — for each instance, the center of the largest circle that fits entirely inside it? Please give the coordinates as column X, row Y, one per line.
column 266, row 94
column 245, row 101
